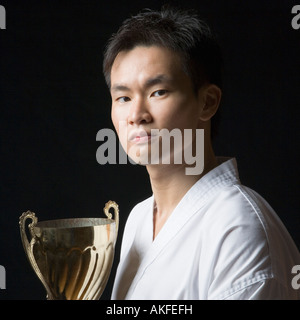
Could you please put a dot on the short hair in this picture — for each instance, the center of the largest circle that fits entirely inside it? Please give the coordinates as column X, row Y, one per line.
column 178, row 30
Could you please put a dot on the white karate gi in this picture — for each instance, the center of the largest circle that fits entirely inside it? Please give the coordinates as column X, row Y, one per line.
column 222, row 241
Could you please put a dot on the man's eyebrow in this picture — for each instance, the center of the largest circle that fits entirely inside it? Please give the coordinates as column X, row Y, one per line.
column 148, row 83
column 119, row 87
column 161, row 78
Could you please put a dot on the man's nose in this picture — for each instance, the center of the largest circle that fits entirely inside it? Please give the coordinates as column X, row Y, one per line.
column 139, row 112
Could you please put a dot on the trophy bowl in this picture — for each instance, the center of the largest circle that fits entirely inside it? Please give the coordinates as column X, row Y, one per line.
column 72, row 257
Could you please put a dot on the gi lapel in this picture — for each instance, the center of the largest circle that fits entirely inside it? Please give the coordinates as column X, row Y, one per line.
column 192, row 202
column 186, row 208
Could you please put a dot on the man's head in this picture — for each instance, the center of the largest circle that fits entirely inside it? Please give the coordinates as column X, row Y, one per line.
column 164, row 72
column 180, row 31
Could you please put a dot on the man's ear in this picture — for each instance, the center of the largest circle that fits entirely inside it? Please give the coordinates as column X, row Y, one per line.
column 210, row 97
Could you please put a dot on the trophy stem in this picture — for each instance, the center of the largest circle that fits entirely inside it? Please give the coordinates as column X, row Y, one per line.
column 28, row 246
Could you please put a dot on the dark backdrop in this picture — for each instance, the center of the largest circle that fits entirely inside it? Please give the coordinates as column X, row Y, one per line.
column 54, row 100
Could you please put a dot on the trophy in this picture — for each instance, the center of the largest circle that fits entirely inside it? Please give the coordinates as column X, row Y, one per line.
column 72, row 257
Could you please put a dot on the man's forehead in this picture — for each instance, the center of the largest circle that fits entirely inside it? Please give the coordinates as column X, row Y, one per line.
column 149, row 66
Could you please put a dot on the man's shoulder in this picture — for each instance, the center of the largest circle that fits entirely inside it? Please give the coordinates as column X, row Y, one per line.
column 239, row 213
column 142, row 205
column 238, row 217
column 239, row 202
column 139, row 211
column 250, row 239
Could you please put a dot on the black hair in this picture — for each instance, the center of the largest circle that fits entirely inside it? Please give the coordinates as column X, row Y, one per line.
column 178, row 30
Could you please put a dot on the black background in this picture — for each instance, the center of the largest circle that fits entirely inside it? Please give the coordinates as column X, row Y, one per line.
column 54, row 100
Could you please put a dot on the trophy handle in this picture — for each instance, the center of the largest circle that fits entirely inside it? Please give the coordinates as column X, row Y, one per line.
column 112, row 204
column 28, row 246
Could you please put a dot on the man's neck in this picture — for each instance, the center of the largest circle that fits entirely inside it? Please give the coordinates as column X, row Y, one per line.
column 170, row 183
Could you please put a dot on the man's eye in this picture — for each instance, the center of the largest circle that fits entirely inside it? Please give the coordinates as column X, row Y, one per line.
column 123, row 99
column 159, row 93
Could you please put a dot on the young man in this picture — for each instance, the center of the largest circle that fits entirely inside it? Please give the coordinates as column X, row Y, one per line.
column 202, row 235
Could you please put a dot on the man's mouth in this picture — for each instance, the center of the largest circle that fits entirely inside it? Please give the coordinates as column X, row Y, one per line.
column 140, row 136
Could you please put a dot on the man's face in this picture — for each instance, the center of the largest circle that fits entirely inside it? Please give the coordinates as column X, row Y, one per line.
column 150, row 90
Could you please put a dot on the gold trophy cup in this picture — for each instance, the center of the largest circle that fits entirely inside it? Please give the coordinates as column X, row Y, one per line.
column 72, row 257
